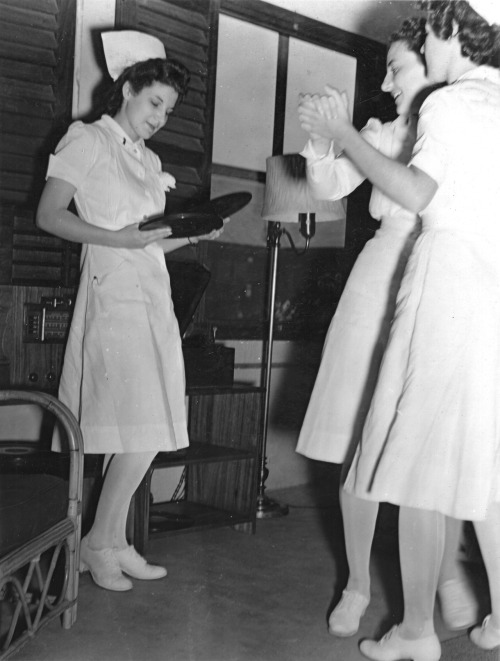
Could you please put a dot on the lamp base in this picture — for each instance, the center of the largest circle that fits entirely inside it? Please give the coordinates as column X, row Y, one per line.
column 269, row 509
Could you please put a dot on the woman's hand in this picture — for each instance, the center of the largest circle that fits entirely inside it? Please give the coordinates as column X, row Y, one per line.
column 214, row 234
column 132, row 237
column 326, row 116
column 309, row 101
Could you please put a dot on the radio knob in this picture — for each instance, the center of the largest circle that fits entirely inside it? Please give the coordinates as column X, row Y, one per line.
column 51, row 377
column 33, row 377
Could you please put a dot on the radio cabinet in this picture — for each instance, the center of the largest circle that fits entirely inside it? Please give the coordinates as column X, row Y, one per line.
column 33, row 346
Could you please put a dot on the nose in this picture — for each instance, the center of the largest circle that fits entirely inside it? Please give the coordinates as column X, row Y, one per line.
column 387, row 82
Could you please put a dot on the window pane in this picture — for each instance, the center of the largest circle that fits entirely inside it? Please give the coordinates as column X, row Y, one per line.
column 310, row 68
column 246, row 88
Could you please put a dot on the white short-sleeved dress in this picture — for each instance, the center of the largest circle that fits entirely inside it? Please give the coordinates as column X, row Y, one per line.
column 431, row 438
column 123, row 371
column 358, row 333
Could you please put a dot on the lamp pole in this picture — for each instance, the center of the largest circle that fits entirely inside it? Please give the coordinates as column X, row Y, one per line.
column 267, row 508
column 287, row 200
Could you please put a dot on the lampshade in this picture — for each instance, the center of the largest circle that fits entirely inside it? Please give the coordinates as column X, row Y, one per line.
column 288, row 194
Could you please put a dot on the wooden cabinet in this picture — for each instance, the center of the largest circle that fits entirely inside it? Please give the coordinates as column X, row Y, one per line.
column 221, row 466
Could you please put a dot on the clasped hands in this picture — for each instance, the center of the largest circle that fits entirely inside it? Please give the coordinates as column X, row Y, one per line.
column 325, row 116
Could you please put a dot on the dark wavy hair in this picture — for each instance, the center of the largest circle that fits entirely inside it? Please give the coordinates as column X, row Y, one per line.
column 143, row 74
column 480, row 42
column 411, row 33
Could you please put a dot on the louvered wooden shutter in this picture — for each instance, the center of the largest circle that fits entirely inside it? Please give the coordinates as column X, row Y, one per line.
column 185, row 144
column 36, row 69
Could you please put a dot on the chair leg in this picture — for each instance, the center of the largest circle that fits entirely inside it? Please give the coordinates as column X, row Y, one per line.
column 69, row 615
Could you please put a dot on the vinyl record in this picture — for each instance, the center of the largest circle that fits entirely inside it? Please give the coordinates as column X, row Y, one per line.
column 190, row 223
column 225, row 205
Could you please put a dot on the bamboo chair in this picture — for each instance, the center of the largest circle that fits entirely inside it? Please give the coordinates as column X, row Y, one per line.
column 39, row 577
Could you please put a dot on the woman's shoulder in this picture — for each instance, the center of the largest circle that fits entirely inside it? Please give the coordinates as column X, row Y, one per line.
column 373, row 125
column 452, row 103
column 441, row 100
column 81, row 132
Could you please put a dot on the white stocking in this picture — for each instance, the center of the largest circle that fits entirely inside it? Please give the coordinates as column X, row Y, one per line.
column 488, row 536
column 451, row 566
column 359, row 517
column 123, row 475
column 421, row 546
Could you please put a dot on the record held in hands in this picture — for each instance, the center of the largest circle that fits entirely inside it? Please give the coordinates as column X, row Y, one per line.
column 225, row 205
column 190, row 223
column 200, row 220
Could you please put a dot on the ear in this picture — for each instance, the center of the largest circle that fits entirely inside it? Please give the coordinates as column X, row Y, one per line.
column 126, row 90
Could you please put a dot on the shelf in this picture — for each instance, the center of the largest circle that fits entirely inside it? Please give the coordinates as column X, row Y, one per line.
column 186, row 515
column 221, row 465
column 238, row 387
column 200, row 453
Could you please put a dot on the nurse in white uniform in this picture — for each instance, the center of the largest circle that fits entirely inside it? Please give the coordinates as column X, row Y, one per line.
column 430, row 442
column 359, row 331
column 123, row 372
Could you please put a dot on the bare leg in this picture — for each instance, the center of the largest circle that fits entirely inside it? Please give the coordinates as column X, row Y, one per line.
column 123, row 476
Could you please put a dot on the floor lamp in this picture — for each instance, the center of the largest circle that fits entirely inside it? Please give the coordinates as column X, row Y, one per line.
column 287, row 200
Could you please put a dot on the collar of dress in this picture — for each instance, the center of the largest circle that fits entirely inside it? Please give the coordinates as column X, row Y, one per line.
column 482, row 72
column 120, row 135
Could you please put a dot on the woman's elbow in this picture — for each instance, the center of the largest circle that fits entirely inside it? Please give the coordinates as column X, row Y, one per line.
column 42, row 220
column 47, row 219
column 423, row 192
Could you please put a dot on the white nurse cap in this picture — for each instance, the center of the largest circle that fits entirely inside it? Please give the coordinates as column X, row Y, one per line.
column 488, row 9
column 124, row 48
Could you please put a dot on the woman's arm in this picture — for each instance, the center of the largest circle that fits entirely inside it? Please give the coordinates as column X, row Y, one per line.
column 169, row 245
column 331, row 177
column 54, row 217
column 409, row 186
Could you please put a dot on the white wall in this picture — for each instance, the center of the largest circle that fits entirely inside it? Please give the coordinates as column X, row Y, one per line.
column 91, row 15
column 371, row 18
column 375, row 19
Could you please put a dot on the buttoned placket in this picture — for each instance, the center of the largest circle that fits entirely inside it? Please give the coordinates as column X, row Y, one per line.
column 135, row 150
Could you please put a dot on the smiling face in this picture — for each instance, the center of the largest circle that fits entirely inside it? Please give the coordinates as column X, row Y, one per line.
column 405, row 77
column 145, row 113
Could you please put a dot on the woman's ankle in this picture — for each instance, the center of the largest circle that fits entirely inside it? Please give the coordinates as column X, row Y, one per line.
column 411, row 630
column 494, row 621
column 359, row 587
column 95, row 543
